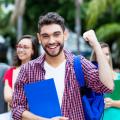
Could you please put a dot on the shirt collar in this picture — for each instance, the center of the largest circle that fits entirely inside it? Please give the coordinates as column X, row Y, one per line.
column 69, row 58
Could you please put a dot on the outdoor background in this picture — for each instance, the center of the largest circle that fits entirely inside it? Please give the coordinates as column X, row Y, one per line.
column 18, row 17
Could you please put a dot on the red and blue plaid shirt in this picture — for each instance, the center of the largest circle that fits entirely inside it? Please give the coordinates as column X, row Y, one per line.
column 71, row 102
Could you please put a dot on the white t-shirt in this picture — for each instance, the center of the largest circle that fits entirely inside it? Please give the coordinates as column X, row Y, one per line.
column 58, row 74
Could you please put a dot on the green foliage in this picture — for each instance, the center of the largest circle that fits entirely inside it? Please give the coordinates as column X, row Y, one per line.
column 108, row 32
column 95, row 9
column 6, row 29
column 103, row 16
column 99, row 10
column 63, row 7
column 116, row 8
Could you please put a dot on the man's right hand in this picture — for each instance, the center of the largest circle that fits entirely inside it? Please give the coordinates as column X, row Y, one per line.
column 60, row 118
column 27, row 115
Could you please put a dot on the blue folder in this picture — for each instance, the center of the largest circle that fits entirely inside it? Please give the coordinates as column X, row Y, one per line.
column 42, row 98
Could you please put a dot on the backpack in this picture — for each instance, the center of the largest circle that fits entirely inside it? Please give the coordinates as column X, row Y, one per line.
column 93, row 103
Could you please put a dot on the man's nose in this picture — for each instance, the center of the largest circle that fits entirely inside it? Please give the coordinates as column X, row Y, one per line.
column 51, row 40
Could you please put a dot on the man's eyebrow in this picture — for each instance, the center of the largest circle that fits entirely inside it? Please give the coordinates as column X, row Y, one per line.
column 53, row 33
column 57, row 32
column 44, row 34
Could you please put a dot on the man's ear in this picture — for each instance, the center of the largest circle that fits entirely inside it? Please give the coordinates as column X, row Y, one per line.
column 38, row 36
column 66, row 34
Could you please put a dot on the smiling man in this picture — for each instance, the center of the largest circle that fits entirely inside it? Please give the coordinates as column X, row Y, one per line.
column 52, row 41
column 57, row 63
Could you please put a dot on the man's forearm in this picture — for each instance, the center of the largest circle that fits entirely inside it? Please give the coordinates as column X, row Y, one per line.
column 105, row 72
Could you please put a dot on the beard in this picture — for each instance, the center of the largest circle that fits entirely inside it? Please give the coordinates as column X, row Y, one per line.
column 53, row 53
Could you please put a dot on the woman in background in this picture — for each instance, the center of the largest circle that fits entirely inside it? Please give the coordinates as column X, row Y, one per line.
column 112, row 101
column 26, row 50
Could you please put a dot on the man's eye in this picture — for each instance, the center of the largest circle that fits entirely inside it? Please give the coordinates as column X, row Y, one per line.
column 45, row 36
column 56, row 34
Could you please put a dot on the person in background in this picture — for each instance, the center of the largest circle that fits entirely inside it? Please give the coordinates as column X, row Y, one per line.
column 106, row 50
column 3, row 68
column 26, row 50
column 110, row 113
column 57, row 63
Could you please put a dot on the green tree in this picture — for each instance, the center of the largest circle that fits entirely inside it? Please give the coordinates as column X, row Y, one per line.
column 103, row 16
column 6, row 29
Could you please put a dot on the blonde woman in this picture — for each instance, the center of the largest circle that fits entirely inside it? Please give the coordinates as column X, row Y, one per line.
column 112, row 106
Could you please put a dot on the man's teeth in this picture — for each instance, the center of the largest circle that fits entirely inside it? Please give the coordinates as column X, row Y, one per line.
column 52, row 47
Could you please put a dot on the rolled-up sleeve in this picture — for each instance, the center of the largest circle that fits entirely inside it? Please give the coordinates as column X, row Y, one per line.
column 91, row 75
column 19, row 102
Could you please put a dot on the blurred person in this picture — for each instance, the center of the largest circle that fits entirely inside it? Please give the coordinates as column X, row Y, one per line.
column 107, row 53
column 3, row 68
column 110, row 103
column 117, row 70
column 57, row 63
column 26, row 50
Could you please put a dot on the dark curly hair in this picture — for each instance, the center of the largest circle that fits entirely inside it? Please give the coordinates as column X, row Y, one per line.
column 51, row 18
column 17, row 61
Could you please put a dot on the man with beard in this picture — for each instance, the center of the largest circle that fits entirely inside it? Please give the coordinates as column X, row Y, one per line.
column 57, row 63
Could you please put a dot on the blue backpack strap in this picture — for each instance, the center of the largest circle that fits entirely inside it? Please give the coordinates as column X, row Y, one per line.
column 78, row 71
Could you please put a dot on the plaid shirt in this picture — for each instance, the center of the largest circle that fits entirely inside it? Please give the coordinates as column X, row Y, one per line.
column 71, row 102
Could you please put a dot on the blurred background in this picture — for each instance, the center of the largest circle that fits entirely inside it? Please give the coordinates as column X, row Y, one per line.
column 18, row 17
